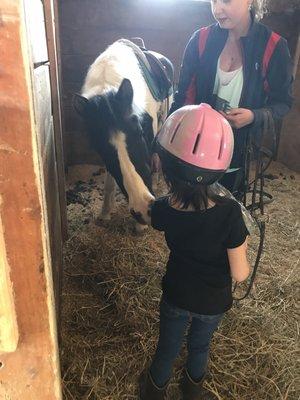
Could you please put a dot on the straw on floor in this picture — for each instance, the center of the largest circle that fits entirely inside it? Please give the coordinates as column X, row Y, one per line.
column 112, row 290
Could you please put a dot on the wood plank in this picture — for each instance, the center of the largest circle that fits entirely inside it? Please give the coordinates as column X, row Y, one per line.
column 296, row 57
column 52, row 30
column 42, row 101
column 289, row 147
column 91, row 44
column 73, row 122
column 93, row 40
column 53, row 212
column 32, row 371
column 9, row 333
column 79, row 149
column 125, row 14
column 35, row 23
column 74, row 68
column 45, row 129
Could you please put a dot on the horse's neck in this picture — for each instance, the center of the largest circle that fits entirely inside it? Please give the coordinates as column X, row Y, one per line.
column 107, row 73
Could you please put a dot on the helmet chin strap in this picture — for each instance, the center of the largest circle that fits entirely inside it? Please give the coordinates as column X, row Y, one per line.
column 228, row 171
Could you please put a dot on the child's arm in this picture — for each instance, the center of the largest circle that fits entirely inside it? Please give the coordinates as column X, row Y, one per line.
column 239, row 265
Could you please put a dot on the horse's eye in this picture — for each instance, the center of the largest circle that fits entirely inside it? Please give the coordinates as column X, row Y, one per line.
column 134, row 120
column 135, row 123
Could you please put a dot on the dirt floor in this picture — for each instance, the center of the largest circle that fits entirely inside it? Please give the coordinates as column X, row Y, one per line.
column 111, row 293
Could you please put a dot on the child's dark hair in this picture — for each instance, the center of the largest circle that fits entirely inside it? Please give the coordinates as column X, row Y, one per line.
column 188, row 194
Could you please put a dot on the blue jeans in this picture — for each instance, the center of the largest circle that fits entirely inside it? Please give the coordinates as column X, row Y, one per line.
column 173, row 325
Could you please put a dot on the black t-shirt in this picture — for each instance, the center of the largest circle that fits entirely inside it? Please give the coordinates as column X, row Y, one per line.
column 198, row 274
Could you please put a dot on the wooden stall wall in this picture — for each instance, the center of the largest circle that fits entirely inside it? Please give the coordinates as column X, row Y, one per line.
column 88, row 26
column 48, row 122
column 289, row 149
column 53, row 45
column 29, row 367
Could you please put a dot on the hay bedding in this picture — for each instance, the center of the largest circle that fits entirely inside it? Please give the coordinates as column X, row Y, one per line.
column 112, row 289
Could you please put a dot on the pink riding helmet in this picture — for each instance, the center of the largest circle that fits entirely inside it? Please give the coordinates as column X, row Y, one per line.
column 199, row 140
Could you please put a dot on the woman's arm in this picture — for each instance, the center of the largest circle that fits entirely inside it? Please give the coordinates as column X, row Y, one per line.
column 279, row 93
column 279, row 80
column 239, row 265
column 186, row 93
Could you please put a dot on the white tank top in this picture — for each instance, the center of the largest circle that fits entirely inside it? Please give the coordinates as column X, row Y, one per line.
column 228, row 88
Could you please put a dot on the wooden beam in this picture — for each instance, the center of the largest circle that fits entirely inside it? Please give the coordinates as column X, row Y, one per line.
column 36, row 29
column 9, row 333
column 296, row 57
column 52, row 32
column 32, row 371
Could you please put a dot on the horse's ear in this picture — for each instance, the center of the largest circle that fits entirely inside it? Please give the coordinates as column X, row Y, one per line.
column 80, row 104
column 125, row 96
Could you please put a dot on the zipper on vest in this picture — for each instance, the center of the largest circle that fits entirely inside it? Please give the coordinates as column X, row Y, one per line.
column 244, row 80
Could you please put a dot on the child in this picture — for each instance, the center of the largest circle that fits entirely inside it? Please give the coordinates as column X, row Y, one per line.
column 206, row 236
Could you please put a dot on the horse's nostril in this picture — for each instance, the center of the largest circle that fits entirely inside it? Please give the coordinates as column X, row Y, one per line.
column 138, row 217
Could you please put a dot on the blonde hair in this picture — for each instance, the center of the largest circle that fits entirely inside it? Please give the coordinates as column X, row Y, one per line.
column 259, row 8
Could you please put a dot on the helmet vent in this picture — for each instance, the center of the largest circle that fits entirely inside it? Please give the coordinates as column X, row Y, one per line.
column 174, row 134
column 221, row 147
column 196, row 143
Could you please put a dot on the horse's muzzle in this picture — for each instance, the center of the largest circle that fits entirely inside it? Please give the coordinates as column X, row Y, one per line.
column 138, row 217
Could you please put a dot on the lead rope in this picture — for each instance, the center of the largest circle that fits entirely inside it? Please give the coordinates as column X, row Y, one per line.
column 264, row 198
column 262, row 227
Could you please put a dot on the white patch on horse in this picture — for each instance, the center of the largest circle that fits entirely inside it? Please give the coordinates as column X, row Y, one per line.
column 139, row 195
column 108, row 71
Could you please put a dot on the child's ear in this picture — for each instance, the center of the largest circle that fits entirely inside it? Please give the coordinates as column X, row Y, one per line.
column 80, row 104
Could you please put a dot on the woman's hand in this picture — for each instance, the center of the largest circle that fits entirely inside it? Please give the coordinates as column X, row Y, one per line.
column 239, row 117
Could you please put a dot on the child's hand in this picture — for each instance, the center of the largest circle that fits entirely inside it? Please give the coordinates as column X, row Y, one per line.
column 239, row 117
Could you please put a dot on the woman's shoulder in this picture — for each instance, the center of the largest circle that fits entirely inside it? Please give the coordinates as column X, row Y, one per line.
column 267, row 40
column 264, row 32
column 208, row 28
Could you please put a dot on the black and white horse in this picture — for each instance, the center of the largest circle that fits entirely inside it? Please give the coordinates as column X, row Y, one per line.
column 122, row 118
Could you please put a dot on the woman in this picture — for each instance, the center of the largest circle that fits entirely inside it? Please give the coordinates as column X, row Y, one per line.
column 229, row 74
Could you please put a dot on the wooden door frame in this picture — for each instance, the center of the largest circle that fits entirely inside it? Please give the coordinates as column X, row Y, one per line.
column 29, row 370
column 53, row 43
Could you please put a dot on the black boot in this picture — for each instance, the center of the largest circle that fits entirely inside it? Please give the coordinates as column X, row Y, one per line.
column 148, row 389
column 192, row 390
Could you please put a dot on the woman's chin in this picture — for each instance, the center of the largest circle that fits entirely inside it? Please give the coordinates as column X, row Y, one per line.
column 226, row 24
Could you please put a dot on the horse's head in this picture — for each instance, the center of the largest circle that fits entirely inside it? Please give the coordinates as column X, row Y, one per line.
column 118, row 133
